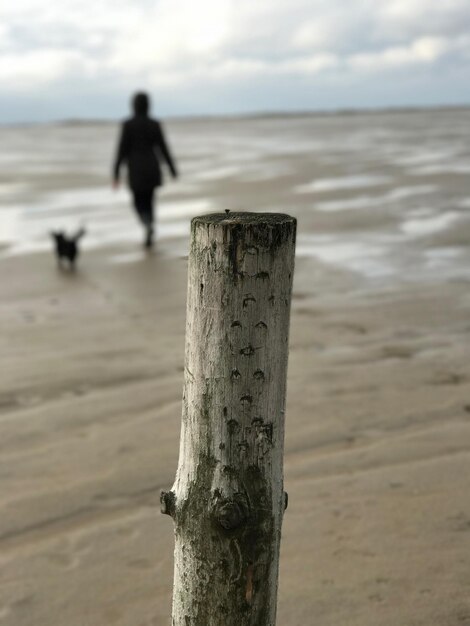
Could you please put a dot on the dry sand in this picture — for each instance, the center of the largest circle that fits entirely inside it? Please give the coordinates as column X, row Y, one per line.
column 377, row 461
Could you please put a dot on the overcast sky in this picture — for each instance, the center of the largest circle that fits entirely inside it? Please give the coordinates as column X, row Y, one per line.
column 76, row 58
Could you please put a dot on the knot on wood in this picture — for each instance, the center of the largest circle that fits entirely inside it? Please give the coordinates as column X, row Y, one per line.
column 259, row 375
column 167, row 503
column 262, row 275
column 235, row 374
column 231, row 513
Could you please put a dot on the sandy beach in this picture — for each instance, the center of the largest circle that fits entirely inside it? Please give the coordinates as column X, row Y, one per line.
column 377, row 459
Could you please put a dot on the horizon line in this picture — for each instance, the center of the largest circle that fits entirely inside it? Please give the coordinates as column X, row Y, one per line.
column 398, row 109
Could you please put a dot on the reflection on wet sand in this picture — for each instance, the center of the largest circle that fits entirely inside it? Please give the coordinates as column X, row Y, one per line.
column 339, row 180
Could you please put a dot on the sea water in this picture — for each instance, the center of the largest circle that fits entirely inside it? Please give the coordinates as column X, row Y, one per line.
column 383, row 194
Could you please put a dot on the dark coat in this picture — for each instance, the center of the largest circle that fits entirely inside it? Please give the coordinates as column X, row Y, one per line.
column 142, row 146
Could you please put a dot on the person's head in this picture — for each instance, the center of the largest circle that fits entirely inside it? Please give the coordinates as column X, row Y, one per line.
column 141, row 103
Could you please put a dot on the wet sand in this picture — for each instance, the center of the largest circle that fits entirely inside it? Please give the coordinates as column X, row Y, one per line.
column 377, row 450
column 377, row 459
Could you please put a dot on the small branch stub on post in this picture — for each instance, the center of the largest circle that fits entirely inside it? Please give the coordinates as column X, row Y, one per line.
column 228, row 500
column 167, row 503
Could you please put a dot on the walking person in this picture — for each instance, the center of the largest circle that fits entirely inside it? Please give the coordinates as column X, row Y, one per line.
column 142, row 147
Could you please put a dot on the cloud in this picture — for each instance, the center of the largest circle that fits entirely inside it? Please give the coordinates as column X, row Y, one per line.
column 178, row 46
column 33, row 69
column 425, row 50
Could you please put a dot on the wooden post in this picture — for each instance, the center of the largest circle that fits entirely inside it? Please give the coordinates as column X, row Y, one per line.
column 227, row 501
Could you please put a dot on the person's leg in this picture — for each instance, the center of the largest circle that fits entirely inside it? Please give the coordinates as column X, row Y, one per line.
column 139, row 205
column 143, row 203
column 147, row 209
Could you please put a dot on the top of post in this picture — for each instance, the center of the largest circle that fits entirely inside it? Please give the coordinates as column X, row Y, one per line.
column 267, row 231
column 244, row 217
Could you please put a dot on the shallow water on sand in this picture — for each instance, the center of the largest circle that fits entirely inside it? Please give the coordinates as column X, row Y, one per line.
column 382, row 194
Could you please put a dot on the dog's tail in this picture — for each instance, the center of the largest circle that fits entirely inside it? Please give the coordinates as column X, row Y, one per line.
column 79, row 234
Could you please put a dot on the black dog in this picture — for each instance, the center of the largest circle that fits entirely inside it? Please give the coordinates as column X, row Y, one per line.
column 66, row 248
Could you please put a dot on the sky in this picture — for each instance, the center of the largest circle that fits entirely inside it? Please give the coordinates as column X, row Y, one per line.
column 65, row 59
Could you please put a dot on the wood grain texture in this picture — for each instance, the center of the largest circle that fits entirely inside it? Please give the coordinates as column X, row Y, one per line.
column 228, row 499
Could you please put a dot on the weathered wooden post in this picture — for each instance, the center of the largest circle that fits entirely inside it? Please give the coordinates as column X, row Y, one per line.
column 227, row 501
